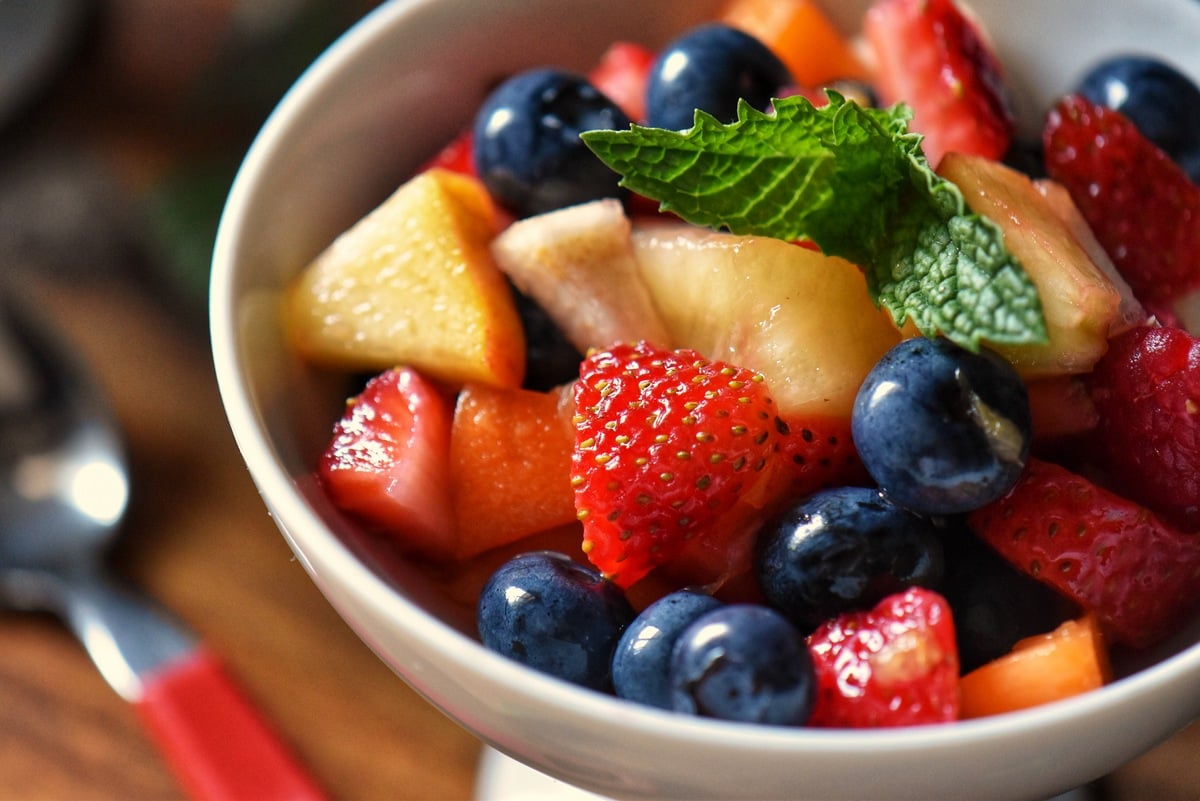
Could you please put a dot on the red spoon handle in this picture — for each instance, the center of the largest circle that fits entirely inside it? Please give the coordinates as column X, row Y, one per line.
column 219, row 746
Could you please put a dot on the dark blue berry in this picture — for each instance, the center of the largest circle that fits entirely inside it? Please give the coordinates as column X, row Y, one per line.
column 746, row 663
column 641, row 669
column 709, row 68
column 526, row 142
column 1160, row 100
column 550, row 358
column 554, row 615
column 994, row 604
column 940, row 429
column 844, row 549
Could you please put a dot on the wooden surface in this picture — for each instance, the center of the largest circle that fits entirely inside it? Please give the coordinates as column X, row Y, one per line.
column 197, row 537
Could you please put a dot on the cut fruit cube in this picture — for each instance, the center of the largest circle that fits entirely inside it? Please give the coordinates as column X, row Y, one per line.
column 578, row 264
column 1068, row 661
column 803, row 319
column 801, row 35
column 1081, row 303
column 621, row 75
column 510, row 465
column 413, row 283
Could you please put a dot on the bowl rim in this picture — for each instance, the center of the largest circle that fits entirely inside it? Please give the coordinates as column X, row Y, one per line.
column 286, row 502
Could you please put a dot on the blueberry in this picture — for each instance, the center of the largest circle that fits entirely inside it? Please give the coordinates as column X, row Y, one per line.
column 843, row 549
column 1160, row 100
column 743, row 662
column 710, row 67
column 550, row 358
column 994, row 604
column 940, row 429
column 554, row 615
column 642, row 662
column 526, row 142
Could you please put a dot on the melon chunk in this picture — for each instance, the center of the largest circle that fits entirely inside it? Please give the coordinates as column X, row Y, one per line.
column 413, row 283
column 510, row 465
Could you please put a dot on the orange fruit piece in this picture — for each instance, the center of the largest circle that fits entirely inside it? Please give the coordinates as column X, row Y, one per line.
column 801, row 35
column 1068, row 661
column 510, row 465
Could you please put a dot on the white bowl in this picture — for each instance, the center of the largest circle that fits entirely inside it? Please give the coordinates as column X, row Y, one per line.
column 378, row 103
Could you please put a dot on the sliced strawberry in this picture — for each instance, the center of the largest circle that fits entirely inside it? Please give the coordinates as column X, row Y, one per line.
column 621, row 74
column 1142, row 207
column 387, row 462
column 819, row 453
column 1115, row 558
column 455, row 156
column 666, row 443
column 932, row 57
column 894, row 665
column 814, row 454
column 1146, row 390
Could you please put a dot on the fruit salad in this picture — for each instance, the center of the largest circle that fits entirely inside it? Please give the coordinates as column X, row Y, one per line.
column 770, row 376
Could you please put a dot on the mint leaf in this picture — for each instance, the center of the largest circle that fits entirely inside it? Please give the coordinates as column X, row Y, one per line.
column 855, row 182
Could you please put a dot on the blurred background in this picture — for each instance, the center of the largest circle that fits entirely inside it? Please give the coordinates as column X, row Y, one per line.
column 122, row 123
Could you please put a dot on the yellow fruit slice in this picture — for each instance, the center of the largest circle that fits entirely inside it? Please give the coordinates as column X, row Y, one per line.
column 1081, row 303
column 413, row 283
column 802, row 319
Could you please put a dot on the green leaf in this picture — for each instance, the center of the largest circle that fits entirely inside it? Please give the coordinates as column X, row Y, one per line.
column 855, row 182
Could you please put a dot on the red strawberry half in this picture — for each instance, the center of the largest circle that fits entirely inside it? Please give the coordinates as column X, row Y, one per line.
column 666, row 443
column 1142, row 207
column 934, row 58
column 894, row 665
column 819, row 453
column 621, row 75
column 387, row 463
column 1146, row 390
column 1139, row 575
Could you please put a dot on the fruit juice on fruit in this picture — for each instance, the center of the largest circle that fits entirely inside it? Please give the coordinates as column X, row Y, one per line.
column 720, row 410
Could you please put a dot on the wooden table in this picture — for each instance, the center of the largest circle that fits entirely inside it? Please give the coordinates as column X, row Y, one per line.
column 197, row 536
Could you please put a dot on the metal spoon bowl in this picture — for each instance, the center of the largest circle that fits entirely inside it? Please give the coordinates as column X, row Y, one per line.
column 64, row 489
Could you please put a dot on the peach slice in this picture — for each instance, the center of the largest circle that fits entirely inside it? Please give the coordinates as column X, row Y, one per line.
column 413, row 283
column 1082, row 303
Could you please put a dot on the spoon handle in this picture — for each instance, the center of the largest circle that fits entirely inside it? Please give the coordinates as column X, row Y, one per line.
column 219, row 746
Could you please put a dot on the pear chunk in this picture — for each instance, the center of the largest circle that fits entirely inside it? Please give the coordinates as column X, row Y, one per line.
column 578, row 264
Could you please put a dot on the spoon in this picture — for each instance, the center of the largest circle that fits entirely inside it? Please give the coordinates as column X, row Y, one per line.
column 64, row 487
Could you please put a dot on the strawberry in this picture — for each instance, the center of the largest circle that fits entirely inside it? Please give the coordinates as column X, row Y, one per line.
column 666, row 443
column 1139, row 575
column 819, row 453
column 1142, row 207
column 934, row 58
column 456, row 156
column 893, row 665
column 621, row 74
column 387, row 463
column 814, row 454
column 1146, row 390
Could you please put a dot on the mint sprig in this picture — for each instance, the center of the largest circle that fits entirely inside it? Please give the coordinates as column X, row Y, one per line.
column 854, row 181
